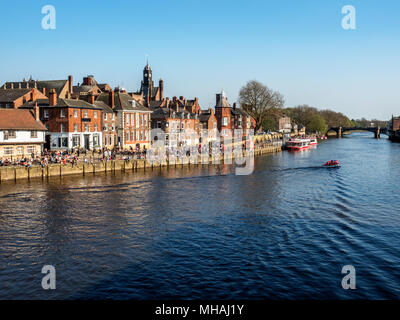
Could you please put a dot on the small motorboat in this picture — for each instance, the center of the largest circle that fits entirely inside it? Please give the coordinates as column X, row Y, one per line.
column 332, row 164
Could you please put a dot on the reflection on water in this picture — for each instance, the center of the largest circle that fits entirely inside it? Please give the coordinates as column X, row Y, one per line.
column 202, row 232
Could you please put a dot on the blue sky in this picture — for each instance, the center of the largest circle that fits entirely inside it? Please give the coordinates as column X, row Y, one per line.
column 297, row 47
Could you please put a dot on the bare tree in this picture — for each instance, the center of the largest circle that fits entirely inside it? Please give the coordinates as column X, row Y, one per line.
column 257, row 99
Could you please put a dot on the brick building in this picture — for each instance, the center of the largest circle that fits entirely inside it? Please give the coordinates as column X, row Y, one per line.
column 132, row 119
column 71, row 123
column 231, row 118
column 176, row 116
column 63, row 88
column 15, row 98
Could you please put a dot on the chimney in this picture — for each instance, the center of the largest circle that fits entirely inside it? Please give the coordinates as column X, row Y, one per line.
column 52, row 97
column 234, row 106
column 70, row 84
column 161, row 85
column 90, row 98
column 177, row 107
column 12, row 86
column 33, row 95
column 167, row 102
column 174, row 99
column 111, row 99
column 181, row 98
column 44, row 90
column 36, row 112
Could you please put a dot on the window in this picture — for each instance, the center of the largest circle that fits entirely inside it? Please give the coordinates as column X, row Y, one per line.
column 141, row 119
column 10, row 134
column 62, row 127
column 105, row 127
column 105, row 116
column 113, row 116
column 137, row 135
column 46, row 114
column 132, row 118
column 95, row 127
column 127, row 119
column 85, row 114
column 127, row 136
column 132, row 135
column 159, row 124
column 76, row 140
column 62, row 113
column 8, row 151
column 20, row 150
column 141, row 135
column 225, row 121
column 96, row 140
column 75, row 113
column 146, row 135
column 8, row 106
column 137, row 121
column 31, row 149
column 110, row 140
column 33, row 134
column 86, row 127
column 64, row 142
column 75, row 127
column 95, row 115
column 145, row 120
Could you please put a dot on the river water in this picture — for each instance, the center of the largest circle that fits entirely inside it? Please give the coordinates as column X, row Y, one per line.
column 283, row 232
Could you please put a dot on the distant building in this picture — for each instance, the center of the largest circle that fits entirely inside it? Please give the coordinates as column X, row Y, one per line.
column 284, row 124
column 231, row 118
column 63, row 88
column 21, row 133
column 89, row 86
column 133, row 120
column 71, row 123
column 15, row 98
column 147, row 90
column 174, row 118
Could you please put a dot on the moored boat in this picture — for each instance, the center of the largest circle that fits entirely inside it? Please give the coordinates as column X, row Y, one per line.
column 298, row 144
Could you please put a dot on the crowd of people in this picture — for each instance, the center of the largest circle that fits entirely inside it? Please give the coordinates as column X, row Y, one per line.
column 76, row 156
column 73, row 157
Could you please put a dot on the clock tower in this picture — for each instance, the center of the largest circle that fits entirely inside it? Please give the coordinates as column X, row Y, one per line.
column 147, row 82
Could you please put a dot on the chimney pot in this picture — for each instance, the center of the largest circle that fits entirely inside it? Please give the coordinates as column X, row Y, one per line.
column 52, row 97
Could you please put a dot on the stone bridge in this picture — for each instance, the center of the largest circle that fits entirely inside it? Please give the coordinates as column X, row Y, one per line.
column 341, row 130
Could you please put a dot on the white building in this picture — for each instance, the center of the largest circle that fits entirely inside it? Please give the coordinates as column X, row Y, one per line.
column 21, row 133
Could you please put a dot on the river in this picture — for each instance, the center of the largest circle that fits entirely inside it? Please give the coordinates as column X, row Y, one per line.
column 283, row 232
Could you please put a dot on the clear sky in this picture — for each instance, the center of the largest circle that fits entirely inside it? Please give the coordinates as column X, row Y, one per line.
column 297, row 47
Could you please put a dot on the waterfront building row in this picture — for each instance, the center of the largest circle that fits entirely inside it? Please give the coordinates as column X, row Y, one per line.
column 94, row 116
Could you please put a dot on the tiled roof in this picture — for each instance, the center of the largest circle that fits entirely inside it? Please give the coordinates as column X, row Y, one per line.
column 104, row 106
column 123, row 101
column 57, row 85
column 19, row 119
column 10, row 95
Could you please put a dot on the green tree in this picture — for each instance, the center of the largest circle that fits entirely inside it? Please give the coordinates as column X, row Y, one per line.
column 317, row 125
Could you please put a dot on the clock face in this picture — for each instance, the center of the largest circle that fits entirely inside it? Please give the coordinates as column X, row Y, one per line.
column 145, row 75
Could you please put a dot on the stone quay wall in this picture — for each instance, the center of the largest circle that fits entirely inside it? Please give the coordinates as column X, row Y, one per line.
column 58, row 170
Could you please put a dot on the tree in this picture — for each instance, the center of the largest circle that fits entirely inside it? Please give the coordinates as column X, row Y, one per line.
column 256, row 99
column 317, row 124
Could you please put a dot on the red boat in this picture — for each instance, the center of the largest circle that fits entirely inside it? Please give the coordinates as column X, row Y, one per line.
column 332, row 164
